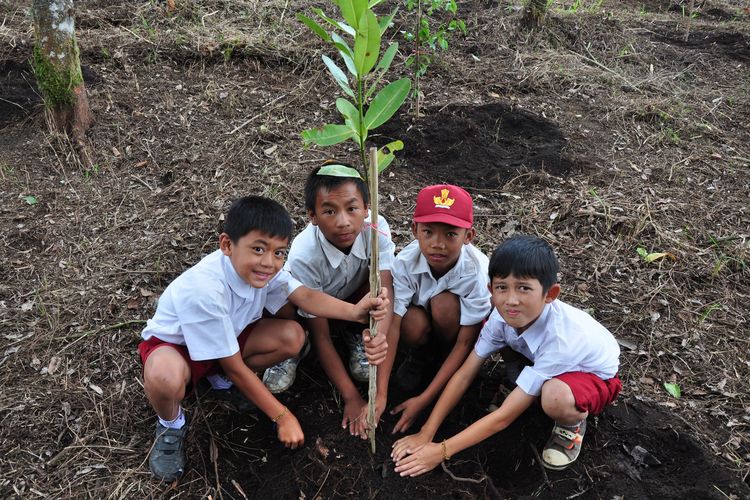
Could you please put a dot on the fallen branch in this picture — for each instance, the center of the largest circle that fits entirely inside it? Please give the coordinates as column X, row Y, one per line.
column 541, row 465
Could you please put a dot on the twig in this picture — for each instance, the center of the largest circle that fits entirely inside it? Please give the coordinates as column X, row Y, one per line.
column 597, row 63
column 78, row 335
column 541, row 465
column 15, row 104
column 256, row 116
column 462, row 479
column 322, row 484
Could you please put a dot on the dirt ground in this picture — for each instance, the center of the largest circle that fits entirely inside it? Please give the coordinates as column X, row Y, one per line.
column 611, row 129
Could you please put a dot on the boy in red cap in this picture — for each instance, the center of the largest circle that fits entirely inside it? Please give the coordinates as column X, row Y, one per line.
column 441, row 296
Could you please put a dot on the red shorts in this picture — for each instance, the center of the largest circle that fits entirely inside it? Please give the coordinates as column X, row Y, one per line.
column 198, row 369
column 591, row 393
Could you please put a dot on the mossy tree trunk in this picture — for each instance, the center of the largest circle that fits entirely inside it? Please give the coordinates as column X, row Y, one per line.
column 58, row 67
column 533, row 15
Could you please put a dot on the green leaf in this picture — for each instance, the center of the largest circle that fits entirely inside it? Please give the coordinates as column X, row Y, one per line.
column 642, row 252
column 342, row 26
column 367, row 43
column 337, row 170
column 385, row 22
column 315, row 27
column 339, row 76
column 654, row 256
column 328, row 135
column 346, row 53
column 350, row 113
column 352, row 11
column 386, row 103
column 373, row 3
column 386, row 156
column 31, row 200
column 382, row 67
column 673, row 389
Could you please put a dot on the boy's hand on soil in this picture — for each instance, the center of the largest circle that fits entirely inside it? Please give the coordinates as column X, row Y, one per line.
column 376, row 348
column 410, row 408
column 423, row 460
column 355, row 417
column 408, row 445
column 289, row 431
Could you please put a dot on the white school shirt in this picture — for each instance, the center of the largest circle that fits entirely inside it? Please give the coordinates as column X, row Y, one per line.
column 319, row 265
column 563, row 339
column 413, row 282
column 207, row 307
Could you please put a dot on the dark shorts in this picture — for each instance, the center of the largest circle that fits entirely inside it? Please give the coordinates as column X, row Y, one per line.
column 198, row 369
column 591, row 393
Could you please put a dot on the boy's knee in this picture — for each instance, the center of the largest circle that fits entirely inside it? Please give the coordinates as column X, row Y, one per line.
column 445, row 308
column 165, row 380
column 293, row 338
column 557, row 399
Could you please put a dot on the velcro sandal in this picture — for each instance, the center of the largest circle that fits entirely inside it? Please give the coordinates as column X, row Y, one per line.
column 563, row 446
column 167, row 461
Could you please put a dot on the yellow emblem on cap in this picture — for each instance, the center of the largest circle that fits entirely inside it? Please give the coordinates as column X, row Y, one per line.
column 443, row 201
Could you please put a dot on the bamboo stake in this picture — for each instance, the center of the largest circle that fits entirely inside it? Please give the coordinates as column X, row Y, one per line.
column 372, row 179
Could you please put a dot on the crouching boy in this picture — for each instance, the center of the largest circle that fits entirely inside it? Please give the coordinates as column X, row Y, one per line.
column 440, row 297
column 573, row 370
column 332, row 254
column 209, row 320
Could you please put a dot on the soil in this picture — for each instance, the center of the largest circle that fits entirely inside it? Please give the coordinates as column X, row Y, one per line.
column 612, row 132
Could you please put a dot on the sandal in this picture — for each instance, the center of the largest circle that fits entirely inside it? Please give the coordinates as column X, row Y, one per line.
column 564, row 446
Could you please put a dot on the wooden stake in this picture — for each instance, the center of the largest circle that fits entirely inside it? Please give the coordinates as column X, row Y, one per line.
column 372, row 178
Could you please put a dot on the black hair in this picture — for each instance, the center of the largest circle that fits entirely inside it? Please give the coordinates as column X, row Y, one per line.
column 257, row 213
column 525, row 256
column 316, row 182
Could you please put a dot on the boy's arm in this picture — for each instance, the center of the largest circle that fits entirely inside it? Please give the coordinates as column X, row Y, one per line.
column 465, row 340
column 334, row 368
column 427, row 457
column 289, row 431
column 323, row 305
column 453, row 392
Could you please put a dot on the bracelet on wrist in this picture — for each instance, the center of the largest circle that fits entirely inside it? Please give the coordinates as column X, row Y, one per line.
column 280, row 415
column 446, row 457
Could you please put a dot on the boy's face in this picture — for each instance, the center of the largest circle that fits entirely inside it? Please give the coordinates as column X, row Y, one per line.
column 520, row 301
column 256, row 257
column 441, row 244
column 340, row 214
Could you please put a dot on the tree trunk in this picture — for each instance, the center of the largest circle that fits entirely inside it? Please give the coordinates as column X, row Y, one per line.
column 533, row 15
column 58, row 67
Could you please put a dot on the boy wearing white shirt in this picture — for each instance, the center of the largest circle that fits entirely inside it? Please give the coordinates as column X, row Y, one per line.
column 573, row 371
column 440, row 294
column 209, row 319
column 332, row 254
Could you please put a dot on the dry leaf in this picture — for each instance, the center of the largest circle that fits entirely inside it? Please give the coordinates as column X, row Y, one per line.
column 54, row 364
column 322, row 449
column 96, row 389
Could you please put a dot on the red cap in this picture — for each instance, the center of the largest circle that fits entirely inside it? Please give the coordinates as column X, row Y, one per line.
column 445, row 203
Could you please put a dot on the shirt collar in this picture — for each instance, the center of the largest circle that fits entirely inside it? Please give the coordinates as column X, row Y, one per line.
column 236, row 283
column 334, row 255
column 458, row 269
column 535, row 333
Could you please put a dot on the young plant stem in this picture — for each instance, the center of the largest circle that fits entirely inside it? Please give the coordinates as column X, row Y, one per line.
column 362, row 129
column 417, row 59
column 374, row 287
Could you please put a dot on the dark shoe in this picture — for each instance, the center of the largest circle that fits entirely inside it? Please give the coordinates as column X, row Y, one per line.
column 167, row 461
column 234, row 397
column 563, row 446
column 409, row 374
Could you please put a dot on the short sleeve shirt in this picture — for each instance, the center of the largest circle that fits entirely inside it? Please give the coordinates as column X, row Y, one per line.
column 563, row 339
column 207, row 307
column 319, row 265
column 414, row 284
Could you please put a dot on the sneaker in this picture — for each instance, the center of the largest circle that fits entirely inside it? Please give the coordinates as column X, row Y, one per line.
column 409, row 373
column 167, row 461
column 234, row 397
column 563, row 446
column 359, row 367
column 280, row 377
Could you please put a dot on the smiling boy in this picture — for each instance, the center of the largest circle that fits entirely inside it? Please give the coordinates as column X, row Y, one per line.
column 332, row 254
column 210, row 319
column 573, row 371
column 440, row 295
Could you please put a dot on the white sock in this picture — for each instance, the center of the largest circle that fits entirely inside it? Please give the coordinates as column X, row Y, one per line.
column 219, row 382
column 177, row 423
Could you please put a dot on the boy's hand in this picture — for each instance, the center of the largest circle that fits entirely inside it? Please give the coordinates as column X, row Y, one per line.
column 410, row 408
column 289, row 431
column 376, row 348
column 408, row 445
column 355, row 417
column 375, row 307
column 423, row 460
